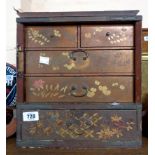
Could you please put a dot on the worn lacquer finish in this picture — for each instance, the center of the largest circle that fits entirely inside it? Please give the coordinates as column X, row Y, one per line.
column 99, row 125
column 51, row 36
column 81, row 73
column 80, row 61
column 79, row 89
column 107, row 35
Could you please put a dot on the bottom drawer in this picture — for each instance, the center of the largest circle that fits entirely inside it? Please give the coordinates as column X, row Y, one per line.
column 72, row 126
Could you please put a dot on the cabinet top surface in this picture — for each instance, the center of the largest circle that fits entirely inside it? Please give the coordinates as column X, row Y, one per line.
column 84, row 16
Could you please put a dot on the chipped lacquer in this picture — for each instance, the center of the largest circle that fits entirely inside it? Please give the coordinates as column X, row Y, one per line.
column 80, row 61
column 51, row 36
column 79, row 89
column 107, row 35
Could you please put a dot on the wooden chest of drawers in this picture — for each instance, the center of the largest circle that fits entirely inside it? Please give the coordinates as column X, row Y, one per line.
column 79, row 79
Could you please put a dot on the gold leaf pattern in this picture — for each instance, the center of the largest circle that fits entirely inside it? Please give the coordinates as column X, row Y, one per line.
column 89, row 134
column 115, row 84
column 48, row 90
column 115, row 38
column 97, row 82
column 56, row 33
column 93, row 89
column 47, row 131
column 39, row 124
column 87, row 126
column 65, row 53
column 55, row 68
column 32, row 130
column 116, row 118
column 88, row 35
column 64, row 89
column 105, row 133
column 37, row 37
column 122, row 87
column 99, row 29
column 130, row 126
column 104, row 90
column 69, row 66
column 90, row 94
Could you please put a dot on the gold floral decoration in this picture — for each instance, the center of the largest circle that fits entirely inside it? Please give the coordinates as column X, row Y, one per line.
column 97, row 82
column 115, row 38
column 129, row 126
column 122, row 87
column 87, row 126
column 105, row 90
column 47, row 131
column 88, row 35
column 105, row 133
column 41, row 89
column 116, row 118
column 56, row 33
column 99, row 29
column 37, row 37
column 115, row 84
column 89, row 134
column 70, row 66
column 91, row 92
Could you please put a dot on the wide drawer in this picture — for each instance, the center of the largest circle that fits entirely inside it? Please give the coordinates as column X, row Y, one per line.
column 80, row 61
column 47, row 126
column 79, row 89
column 107, row 35
column 50, row 36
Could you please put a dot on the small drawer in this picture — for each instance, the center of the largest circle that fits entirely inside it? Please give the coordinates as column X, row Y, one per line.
column 107, row 35
column 50, row 36
column 80, row 61
column 46, row 126
column 79, row 89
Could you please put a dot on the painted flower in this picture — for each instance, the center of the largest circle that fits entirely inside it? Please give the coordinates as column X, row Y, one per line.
column 57, row 33
column 89, row 133
column 122, row 87
column 97, row 82
column 90, row 94
column 116, row 118
column 118, row 133
column 105, row 133
column 115, row 84
column 88, row 35
column 99, row 29
column 93, row 89
column 39, row 84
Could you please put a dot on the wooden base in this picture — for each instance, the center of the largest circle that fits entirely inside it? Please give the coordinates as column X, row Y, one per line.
column 12, row 149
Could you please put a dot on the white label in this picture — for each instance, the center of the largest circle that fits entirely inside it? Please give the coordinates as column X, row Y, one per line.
column 115, row 103
column 30, row 116
column 145, row 38
column 44, row 60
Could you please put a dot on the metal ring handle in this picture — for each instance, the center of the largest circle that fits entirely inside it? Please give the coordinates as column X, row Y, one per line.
column 82, row 94
column 73, row 57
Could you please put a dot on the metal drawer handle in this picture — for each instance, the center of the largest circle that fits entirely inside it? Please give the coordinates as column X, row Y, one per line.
column 74, row 91
column 52, row 36
column 108, row 34
column 74, row 57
